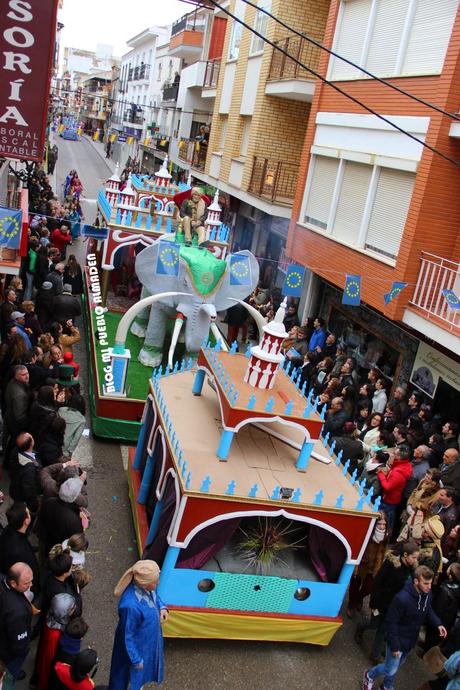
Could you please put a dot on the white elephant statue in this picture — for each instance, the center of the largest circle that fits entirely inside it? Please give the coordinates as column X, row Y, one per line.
column 202, row 288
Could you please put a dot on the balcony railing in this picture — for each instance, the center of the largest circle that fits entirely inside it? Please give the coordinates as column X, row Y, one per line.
column 186, row 150
column 189, row 22
column 274, row 180
column 211, row 75
column 134, row 117
column 139, row 72
column 437, row 274
column 170, row 92
column 282, row 67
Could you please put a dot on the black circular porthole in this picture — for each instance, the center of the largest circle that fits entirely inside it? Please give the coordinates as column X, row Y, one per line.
column 206, row 585
column 302, row 593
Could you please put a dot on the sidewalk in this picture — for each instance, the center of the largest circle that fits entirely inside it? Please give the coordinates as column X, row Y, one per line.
column 100, row 148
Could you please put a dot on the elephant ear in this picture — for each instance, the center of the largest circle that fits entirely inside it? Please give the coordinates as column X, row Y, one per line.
column 157, row 276
column 241, row 278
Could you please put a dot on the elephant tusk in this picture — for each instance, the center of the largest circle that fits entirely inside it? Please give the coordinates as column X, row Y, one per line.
column 175, row 337
column 218, row 336
column 257, row 316
column 128, row 318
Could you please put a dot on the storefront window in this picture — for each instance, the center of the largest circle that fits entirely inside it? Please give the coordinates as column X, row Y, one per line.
column 368, row 348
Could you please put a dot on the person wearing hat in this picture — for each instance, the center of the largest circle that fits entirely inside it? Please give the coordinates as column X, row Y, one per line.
column 60, row 516
column 137, row 656
column 66, row 376
column 44, row 304
column 430, row 548
column 19, row 320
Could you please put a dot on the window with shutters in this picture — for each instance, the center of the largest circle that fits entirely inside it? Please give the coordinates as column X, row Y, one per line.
column 389, row 211
column 321, row 190
column 362, row 206
column 351, row 202
column 392, row 37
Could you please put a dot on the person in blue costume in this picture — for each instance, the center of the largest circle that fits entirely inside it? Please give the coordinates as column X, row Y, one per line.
column 137, row 656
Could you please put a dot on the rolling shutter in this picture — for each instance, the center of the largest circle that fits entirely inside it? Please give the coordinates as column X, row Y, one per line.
column 389, row 211
column 321, row 191
column 352, row 199
column 386, row 36
column 350, row 38
column 429, row 36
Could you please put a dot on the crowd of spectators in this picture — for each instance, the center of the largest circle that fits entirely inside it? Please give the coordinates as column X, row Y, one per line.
column 44, row 540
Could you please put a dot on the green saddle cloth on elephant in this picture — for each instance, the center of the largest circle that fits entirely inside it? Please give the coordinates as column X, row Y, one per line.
column 204, row 269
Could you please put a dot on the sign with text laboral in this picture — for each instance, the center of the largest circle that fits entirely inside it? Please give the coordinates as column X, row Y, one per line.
column 27, row 33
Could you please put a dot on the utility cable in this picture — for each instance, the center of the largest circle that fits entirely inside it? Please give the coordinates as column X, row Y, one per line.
column 334, row 86
column 312, row 40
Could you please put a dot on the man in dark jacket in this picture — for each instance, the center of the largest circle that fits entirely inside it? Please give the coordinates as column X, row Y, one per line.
column 66, row 306
column 55, row 277
column 15, row 618
column 25, row 473
column 336, row 418
column 7, row 308
column 60, row 517
column 408, row 611
column 14, row 545
column 16, row 408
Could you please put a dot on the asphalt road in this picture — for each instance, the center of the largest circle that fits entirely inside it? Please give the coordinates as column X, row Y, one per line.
column 189, row 664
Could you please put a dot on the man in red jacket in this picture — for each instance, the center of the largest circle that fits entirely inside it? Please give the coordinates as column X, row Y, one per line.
column 60, row 238
column 393, row 479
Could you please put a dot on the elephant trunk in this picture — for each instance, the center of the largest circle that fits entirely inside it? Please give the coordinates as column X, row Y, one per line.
column 198, row 323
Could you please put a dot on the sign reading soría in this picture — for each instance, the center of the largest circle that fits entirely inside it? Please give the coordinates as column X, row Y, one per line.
column 27, row 32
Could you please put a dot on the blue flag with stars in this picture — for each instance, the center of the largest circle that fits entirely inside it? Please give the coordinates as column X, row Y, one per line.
column 10, row 227
column 293, row 283
column 240, row 270
column 168, row 259
column 352, row 291
column 451, row 298
column 396, row 288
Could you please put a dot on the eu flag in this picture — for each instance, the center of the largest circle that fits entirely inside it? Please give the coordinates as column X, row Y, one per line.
column 451, row 298
column 352, row 291
column 293, row 283
column 168, row 259
column 240, row 270
column 10, row 227
column 396, row 288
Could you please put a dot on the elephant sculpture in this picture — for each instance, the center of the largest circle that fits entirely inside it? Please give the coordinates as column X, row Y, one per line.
column 200, row 287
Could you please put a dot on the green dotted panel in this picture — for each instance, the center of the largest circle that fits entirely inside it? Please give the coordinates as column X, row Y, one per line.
column 251, row 593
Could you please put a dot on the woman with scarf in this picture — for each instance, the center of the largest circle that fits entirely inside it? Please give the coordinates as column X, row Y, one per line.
column 363, row 577
column 137, row 656
column 61, row 609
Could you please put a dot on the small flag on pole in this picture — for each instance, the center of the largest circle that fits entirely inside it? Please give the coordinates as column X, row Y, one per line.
column 96, row 135
column 146, row 141
column 168, row 259
column 451, row 298
column 240, row 270
column 112, row 138
column 79, row 131
column 130, row 140
column 61, row 128
column 293, row 283
column 352, row 291
column 396, row 288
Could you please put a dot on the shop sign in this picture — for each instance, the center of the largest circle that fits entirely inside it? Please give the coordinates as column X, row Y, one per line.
column 27, row 35
column 121, row 138
column 430, row 366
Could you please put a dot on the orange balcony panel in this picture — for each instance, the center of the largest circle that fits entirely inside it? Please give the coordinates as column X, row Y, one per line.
column 186, row 39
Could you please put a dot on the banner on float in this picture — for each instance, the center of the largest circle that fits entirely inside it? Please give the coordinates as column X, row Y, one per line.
column 10, row 228
column 430, row 367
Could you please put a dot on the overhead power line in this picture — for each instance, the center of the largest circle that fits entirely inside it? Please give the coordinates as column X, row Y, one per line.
column 334, row 86
column 385, row 82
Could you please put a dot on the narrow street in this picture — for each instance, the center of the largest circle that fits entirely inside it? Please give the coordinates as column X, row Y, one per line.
column 189, row 664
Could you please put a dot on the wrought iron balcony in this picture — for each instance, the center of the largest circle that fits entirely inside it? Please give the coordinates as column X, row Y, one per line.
column 274, row 180
column 282, row 67
column 211, row 75
column 133, row 116
column 170, row 91
column 435, row 275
